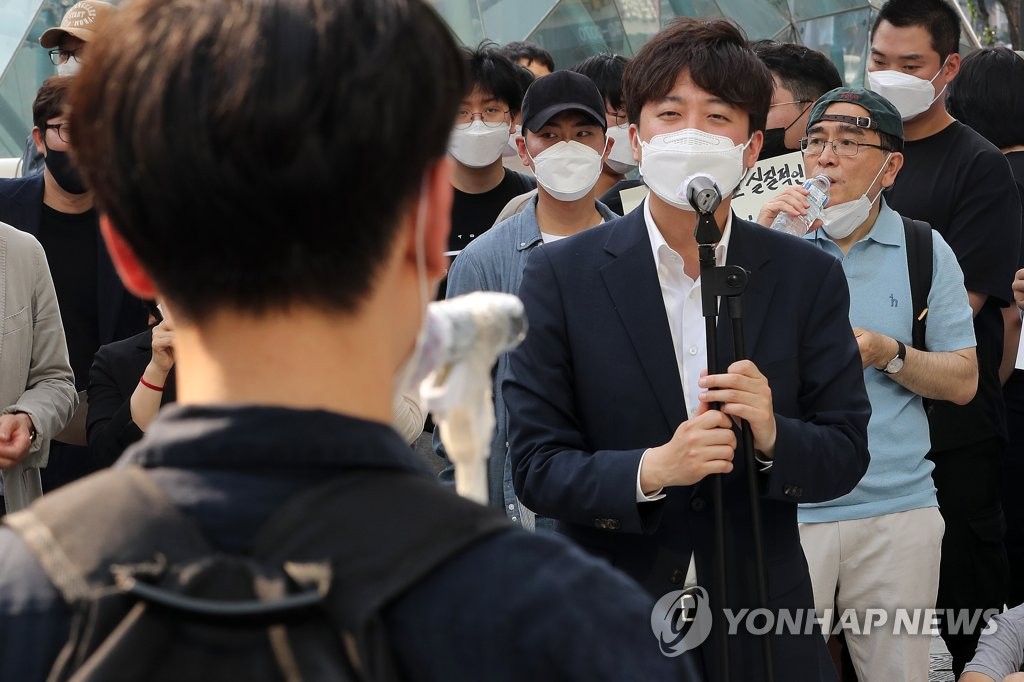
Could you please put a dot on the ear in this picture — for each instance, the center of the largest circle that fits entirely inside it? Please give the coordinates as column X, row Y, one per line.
column 609, row 142
column 521, row 148
column 134, row 276
column 37, row 139
column 892, row 169
column 753, row 149
column 634, row 141
column 435, row 202
column 952, row 67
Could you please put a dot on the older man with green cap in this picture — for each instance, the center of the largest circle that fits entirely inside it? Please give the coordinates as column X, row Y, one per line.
column 878, row 547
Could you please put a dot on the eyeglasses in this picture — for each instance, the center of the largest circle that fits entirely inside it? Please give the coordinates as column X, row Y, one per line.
column 619, row 116
column 492, row 117
column 63, row 131
column 61, row 56
column 813, row 146
column 796, row 101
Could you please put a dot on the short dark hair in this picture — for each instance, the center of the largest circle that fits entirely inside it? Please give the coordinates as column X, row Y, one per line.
column 266, row 158
column 807, row 73
column 936, row 16
column 494, row 73
column 606, row 72
column 51, row 100
column 988, row 95
column 716, row 54
column 531, row 52
column 526, row 78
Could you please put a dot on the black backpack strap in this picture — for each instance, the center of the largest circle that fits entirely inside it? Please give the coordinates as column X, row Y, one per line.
column 138, row 523
column 919, row 267
column 389, row 530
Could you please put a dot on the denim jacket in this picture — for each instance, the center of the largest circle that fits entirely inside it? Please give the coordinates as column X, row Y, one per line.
column 495, row 261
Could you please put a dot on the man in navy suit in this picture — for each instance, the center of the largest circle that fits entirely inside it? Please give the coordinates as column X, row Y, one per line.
column 610, row 426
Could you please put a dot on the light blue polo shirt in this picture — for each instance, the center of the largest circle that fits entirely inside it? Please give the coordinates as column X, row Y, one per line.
column 898, row 477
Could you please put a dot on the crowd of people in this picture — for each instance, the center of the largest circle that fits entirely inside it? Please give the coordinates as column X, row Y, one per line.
column 216, row 269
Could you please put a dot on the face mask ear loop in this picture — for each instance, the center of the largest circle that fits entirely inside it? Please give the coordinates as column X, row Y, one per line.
column 786, row 129
column 880, row 170
column 421, row 246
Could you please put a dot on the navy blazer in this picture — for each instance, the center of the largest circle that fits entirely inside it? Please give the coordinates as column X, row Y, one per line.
column 596, row 383
column 120, row 314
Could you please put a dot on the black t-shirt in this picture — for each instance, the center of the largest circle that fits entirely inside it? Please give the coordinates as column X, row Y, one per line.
column 961, row 184
column 71, row 242
column 474, row 214
column 1013, row 389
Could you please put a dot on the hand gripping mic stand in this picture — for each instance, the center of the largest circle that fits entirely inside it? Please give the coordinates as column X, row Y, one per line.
column 729, row 282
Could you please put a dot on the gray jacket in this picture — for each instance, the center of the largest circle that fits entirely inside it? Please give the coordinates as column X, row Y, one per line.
column 35, row 376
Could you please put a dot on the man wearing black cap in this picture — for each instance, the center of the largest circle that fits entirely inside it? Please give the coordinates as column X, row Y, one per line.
column 564, row 142
column 879, row 546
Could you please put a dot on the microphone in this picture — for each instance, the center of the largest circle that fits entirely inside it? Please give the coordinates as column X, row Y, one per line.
column 463, row 337
column 702, row 192
column 482, row 324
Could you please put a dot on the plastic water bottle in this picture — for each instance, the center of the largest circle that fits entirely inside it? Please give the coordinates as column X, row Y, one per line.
column 818, row 197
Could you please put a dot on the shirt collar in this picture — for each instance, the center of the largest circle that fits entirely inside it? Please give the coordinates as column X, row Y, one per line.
column 529, row 227
column 659, row 247
column 251, row 437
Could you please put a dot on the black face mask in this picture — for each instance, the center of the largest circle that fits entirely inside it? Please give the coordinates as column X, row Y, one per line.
column 66, row 175
column 775, row 139
column 774, row 144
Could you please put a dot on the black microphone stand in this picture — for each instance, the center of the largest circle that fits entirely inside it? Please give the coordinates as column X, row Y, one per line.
column 728, row 281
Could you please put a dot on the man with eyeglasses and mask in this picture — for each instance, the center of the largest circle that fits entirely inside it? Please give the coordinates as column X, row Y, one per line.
column 801, row 75
column 879, row 546
column 66, row 44
column 611, row 426
column 482, row 126
column 960, row 184
column 58, row 209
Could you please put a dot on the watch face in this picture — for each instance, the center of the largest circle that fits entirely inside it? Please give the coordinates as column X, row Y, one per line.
column 894, row 366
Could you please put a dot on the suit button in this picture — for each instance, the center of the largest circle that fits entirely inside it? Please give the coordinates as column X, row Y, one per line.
column 698, row 504
column 614, row 524
column 677, row 577
column 607, row 524
column 793, row 491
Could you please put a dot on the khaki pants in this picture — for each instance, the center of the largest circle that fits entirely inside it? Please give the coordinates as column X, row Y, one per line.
column 883, row 562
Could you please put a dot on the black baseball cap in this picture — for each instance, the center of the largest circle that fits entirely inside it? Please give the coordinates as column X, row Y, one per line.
column 562, row 91
column 882, row 115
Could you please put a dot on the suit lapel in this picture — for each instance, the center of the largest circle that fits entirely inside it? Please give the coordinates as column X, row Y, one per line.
column 748, row 249
column 632, row 283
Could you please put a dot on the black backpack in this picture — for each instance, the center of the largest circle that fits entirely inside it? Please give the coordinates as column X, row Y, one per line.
column 152, row 600
column 919, row 266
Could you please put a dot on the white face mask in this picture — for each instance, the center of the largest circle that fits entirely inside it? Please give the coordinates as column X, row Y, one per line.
column 668, row 162
column 910, row 95
column 841, row 220
column 405, row 378
column 567, row 170
column 621, row 159
column 478, row 145
column 69, row 68
column 512, row 149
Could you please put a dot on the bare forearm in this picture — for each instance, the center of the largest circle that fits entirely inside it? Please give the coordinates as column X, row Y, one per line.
column 949, row 376
column 145, row 401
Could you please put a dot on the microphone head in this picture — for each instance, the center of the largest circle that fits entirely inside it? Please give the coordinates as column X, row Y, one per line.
column 702, row 192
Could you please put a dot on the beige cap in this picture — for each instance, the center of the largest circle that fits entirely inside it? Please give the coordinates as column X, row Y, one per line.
column 81, row 21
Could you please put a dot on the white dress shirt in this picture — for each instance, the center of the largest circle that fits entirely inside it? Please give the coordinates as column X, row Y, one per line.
column 681, row 295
